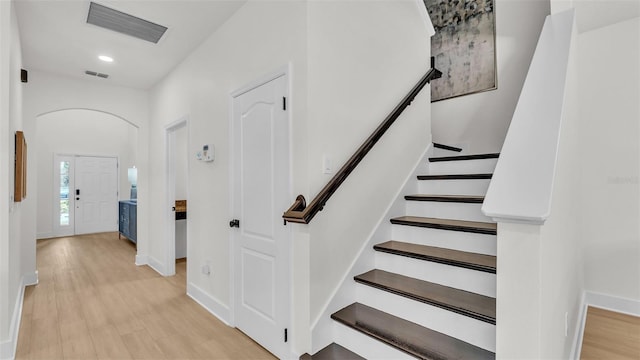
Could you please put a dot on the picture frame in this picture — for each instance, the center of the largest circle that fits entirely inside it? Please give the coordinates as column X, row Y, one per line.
column 464, row 47
column 20, row 183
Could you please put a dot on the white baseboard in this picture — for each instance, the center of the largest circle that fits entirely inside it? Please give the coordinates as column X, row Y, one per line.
column 45, row 235
column 210, row 303
column 603, row 301
column 142, row 260
column 8, row 346
column 30, row 278
column 156, row 265
column 613, row 303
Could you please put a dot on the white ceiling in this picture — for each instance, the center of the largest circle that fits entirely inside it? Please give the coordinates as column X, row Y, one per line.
column 56, row 38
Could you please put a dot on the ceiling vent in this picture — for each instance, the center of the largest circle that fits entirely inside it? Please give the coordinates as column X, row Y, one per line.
column 93, row 73
column 124, row 23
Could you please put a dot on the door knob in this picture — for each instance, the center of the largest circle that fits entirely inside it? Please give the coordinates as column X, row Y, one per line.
column 234, row 223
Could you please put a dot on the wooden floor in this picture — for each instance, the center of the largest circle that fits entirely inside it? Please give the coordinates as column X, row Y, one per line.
column 610, row 335
column 92, row 302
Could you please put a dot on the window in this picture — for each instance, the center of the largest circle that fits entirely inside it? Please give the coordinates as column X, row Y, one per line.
column 64, row 193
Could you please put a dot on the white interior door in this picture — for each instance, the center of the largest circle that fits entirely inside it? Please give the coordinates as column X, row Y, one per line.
column 261, row 194
column 96, row 194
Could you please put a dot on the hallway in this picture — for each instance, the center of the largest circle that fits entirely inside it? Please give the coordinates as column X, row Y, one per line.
column 92, row 302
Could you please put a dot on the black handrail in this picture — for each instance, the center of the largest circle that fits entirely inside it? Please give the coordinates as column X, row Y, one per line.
column 299, row 212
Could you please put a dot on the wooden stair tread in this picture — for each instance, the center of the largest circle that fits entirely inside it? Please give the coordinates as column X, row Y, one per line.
column 446, row 147
column 447, row 224
column 464, row 157
column 456, row 177
column 462, row 302
column 331, row 352
column 473, row 261
column 407, row 336
column 469, row 199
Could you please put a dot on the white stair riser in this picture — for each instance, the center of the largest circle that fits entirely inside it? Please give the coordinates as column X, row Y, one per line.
column 446, row 210
column 364, row 345
column 454, row 187
column 478, row 282
column 472, row 331
column 456, row 240
column 481, row 166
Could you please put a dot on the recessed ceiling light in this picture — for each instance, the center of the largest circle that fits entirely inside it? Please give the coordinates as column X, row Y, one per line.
column 105, row 58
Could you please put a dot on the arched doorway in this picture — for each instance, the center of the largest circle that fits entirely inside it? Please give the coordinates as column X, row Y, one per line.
column 64, row 135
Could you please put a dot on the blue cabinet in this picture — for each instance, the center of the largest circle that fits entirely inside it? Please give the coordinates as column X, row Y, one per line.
column 127, row 219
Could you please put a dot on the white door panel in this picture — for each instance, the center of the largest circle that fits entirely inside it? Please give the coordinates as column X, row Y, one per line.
column 97, row 202
column 261, row 194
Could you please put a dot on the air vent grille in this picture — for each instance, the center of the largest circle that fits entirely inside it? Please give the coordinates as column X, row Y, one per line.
column 115, row 20
column 94, row 73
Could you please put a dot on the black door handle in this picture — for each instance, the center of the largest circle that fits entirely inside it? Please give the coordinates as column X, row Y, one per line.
column 234, row 223
column 173, row 208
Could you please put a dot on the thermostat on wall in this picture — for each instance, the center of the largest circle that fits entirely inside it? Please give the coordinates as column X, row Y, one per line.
column 207, row 153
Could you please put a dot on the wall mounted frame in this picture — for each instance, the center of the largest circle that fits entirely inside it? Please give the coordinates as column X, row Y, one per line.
column 20, row 183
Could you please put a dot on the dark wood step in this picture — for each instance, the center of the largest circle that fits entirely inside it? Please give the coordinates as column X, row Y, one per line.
column 467, row 260
column 407, row 336
column 468, row 199
column 333, row 351
column 456, row 177
column 462, row 302
column 464, row 157
column 446, row 147
column 447, row 224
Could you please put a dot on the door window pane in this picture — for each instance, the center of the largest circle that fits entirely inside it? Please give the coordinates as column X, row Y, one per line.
column 64, row 193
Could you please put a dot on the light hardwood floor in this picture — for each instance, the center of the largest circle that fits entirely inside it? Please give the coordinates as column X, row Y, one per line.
column 92, row 302
column 610, row 335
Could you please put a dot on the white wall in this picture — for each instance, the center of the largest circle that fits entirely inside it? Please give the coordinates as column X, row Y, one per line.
column 347, row 56
column 12, row 265
column 364, row 57
column 540, row 275
column 46, row 93
column 261, row 37
column 591, row 240
column 610, row 160
column 479, row 122
column 79, row 132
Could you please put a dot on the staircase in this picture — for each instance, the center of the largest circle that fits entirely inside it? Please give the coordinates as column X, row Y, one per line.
column 432, row 292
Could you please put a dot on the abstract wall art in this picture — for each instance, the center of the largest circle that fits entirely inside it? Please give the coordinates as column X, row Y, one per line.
column 463, row 47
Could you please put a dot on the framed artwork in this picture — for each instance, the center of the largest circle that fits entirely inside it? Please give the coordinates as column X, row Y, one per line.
column 20, row 184
column 463, row 47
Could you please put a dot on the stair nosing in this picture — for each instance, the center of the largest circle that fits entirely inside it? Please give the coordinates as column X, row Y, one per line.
column 485, row 176
column 333, row 347
column 343, row 316
column 430, row 301
column 446, row 147
column 466, row 199
column 464, row 157
column 437, row 259
column 436, row 223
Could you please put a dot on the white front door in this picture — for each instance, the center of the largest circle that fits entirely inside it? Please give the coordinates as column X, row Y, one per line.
column 261, row 194
column 85, row 194
column 96, row 194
